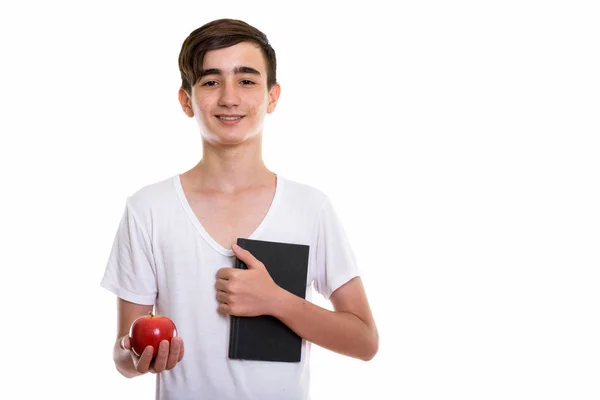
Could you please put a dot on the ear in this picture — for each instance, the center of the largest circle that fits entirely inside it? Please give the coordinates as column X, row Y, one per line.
column 186, row 102
column 273, row 97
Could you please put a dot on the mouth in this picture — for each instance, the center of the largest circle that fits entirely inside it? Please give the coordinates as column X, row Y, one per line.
column 230, row 118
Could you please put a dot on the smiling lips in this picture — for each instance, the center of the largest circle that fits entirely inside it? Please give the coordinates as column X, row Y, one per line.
column 230, row 118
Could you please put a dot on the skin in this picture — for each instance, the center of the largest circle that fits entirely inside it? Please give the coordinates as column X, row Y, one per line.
column 349, row 329
column 231, row 176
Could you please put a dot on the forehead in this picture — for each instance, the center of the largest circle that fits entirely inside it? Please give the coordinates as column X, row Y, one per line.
column 245, row 54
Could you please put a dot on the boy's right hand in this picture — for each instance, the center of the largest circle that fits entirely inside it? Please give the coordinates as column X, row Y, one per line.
column 169, row 354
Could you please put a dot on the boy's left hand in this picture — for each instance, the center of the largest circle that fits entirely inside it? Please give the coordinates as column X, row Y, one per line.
column 247, row 293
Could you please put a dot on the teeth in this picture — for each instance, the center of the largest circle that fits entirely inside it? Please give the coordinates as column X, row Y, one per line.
column 229, row 118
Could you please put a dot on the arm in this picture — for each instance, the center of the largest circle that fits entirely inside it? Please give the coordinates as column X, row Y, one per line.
column 126, row 313
column 349, row 330
column 125, row 361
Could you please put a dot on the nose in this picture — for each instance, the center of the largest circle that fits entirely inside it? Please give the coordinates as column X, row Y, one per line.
column 229, row 95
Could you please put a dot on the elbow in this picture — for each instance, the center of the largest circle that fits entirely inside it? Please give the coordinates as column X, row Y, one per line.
column 370, row 354
column 371, row 348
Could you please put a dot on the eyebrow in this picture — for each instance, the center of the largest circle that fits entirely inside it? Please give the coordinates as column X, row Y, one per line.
column 237, row 70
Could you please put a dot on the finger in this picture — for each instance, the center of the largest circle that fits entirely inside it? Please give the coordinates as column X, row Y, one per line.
column 173, row 353
column 143, row 363
column 224, row 308
column 222, row 297
column 160, row 362
column 125, row 343
column 221, row 284
column 247, row 257
column 224, row 273
column 181, row 350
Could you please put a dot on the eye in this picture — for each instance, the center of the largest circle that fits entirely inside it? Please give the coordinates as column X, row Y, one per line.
column 210, row 83
column 247, row 82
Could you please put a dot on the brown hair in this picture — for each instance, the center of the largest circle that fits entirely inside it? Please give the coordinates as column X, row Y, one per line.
column 219, row 34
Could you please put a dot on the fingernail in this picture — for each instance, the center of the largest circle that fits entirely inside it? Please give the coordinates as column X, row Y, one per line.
column 235, row 246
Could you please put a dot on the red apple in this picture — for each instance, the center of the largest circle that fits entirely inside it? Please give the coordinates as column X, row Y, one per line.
column 150, row 330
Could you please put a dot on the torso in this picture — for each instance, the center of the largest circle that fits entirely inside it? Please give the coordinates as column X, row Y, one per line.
column 227, row 216
column 175, row 266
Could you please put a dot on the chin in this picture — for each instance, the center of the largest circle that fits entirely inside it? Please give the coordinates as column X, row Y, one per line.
column 230, row 138
column 226, row 140
column 230, row 141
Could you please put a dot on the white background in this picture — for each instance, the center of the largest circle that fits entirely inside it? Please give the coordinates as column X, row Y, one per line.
column 458, row 140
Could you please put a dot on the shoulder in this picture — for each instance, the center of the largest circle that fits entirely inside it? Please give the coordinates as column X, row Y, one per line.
column 153, row 195
column 303, row 194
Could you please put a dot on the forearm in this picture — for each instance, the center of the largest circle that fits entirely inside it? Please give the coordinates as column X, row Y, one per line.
column 341, row 332
column 124, row 362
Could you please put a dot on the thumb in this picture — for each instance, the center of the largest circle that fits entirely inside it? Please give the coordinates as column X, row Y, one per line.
column 247, row 257
column 124, row 343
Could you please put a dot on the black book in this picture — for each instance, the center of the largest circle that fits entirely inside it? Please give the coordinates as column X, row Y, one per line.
column 266, row 338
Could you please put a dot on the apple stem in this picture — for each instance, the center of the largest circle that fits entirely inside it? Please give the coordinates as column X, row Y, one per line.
column 150, row 313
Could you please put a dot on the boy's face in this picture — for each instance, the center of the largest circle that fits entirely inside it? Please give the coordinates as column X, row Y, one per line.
column 231, row 99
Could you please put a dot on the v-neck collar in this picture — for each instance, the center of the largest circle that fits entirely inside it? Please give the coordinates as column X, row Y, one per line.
column 204, row 233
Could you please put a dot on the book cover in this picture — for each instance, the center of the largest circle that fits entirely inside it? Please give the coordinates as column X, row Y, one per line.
column 265, row 338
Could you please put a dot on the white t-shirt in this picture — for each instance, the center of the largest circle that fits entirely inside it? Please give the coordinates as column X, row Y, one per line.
column 162, row 256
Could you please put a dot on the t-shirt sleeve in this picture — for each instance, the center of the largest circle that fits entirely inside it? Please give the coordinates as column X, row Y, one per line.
column 335, row 260
column 131, row 272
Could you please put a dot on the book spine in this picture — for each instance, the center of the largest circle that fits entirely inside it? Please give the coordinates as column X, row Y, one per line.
column 233, row 338
column 238, row 263
column 234, row 321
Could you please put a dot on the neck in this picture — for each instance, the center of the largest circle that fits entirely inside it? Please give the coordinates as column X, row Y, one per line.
column 231, row 168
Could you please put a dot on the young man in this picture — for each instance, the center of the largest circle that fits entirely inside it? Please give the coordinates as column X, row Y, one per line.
column 175, row 246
